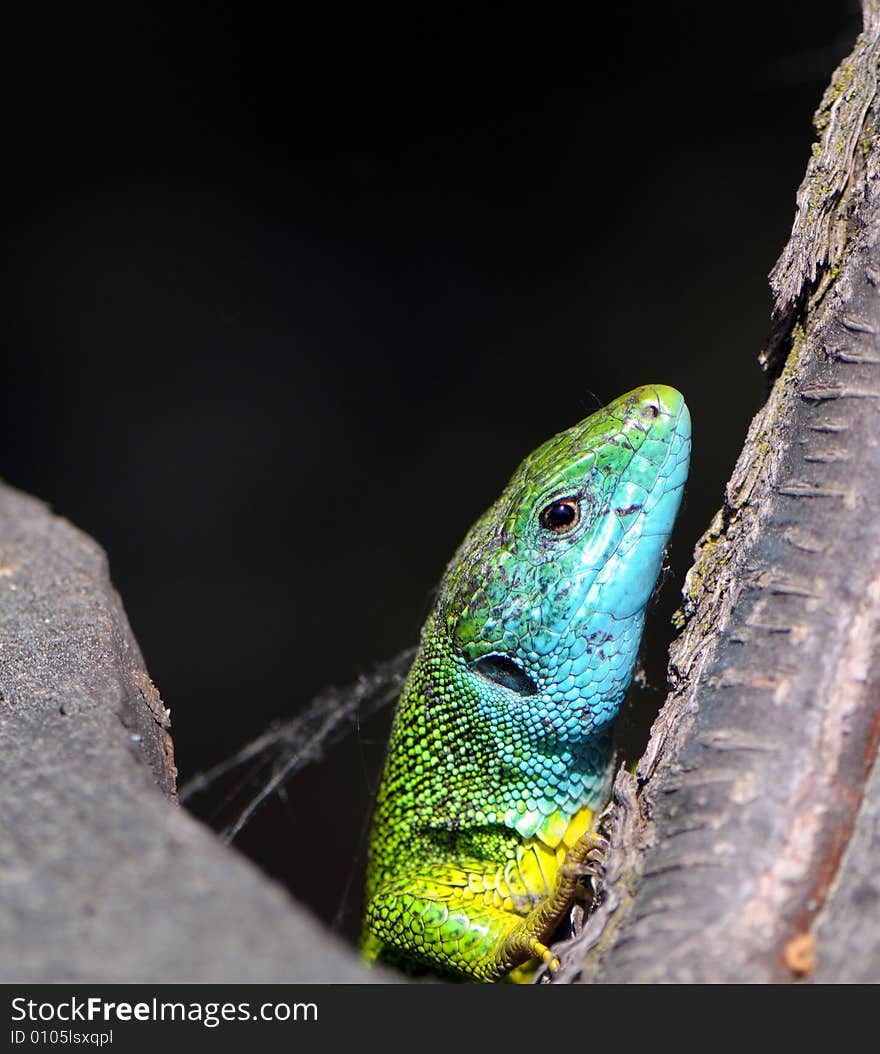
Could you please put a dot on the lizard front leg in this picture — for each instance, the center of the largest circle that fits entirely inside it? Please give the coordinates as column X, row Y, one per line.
column 449, row 918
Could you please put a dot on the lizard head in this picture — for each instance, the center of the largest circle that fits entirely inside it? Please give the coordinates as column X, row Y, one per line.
column 545, row 600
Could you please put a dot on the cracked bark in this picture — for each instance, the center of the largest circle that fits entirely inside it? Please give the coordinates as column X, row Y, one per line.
column 745, row 848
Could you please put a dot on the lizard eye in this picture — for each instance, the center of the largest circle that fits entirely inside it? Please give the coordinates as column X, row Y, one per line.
column 561, row 515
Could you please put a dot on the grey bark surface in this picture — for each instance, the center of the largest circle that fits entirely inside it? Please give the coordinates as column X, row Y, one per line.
column 746, row 847
column 103, row 877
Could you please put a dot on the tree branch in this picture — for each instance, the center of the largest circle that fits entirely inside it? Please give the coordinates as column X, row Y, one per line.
column 103, row 877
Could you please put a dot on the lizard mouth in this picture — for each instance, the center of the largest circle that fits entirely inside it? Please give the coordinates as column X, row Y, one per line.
column 502, row 670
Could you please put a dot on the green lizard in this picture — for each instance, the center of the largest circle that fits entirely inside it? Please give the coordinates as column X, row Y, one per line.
column 500, row 753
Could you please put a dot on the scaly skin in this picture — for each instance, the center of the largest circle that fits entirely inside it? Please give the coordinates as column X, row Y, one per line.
column 500, row 753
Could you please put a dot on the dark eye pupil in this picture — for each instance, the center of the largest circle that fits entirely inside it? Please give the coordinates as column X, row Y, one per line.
column 560, row 514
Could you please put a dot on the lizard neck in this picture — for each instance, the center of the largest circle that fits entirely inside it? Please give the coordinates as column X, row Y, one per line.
column 467, row 752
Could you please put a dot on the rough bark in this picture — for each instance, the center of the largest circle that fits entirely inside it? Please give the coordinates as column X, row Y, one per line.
column 104, row 877
column 745, row 848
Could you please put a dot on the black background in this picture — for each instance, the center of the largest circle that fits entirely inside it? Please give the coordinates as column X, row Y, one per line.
column 290, row 294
